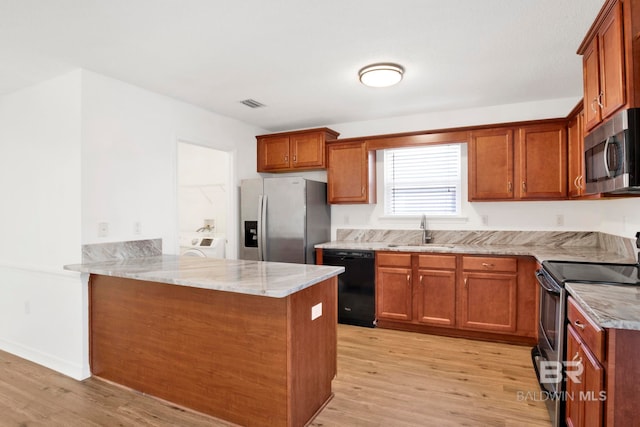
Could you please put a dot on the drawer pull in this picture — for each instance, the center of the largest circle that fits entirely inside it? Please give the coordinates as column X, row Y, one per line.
column 487, row 265
column 578, row 324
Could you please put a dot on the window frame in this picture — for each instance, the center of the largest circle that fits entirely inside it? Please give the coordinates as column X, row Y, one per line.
column 457, row 182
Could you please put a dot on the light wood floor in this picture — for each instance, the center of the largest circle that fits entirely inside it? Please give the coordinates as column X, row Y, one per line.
column 385, row 378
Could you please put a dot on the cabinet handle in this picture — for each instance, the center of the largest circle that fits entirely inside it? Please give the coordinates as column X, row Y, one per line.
column 578, row 324
column 593, row 108
column 465, row 282
column 575, row 182
column 294, row 159
column 286, row 158
column 524, row 187
column 487, row 265
column 362, row 191
column 510, row 186
column 575, row 356
column 421, row 276
column 580, row 179
column 408, row 279
column 599, row 99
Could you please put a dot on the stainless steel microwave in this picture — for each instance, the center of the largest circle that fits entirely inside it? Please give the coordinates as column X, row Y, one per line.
column 612, row 155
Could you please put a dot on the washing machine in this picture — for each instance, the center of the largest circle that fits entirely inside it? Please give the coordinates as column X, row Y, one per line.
column 204, row 246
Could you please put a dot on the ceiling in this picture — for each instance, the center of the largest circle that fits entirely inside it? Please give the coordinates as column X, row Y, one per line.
column 300, row 57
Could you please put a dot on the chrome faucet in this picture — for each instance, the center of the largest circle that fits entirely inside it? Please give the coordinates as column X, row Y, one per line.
column 425, row 232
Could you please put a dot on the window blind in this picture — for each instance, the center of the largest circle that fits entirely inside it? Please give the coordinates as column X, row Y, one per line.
column 422, row 180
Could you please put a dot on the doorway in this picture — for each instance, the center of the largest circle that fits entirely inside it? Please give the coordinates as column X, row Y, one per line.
column 204, row 192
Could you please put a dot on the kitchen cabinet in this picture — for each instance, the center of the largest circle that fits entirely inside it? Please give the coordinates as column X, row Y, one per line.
column 523, row 163
column 435, row 293
column 491, row 164
column 293, row 151
column 575, row 148
column 603, row 58
column 488, row 297
column 351, row 173
column 542, row 154
column 585, row 372
column 393, row 286
column 458, row 295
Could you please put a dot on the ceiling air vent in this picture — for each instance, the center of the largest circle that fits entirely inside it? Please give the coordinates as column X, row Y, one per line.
column 252, row 103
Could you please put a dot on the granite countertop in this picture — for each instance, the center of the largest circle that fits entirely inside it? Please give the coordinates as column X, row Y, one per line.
column 271, row 279
column 541, row 253
column 611, row 306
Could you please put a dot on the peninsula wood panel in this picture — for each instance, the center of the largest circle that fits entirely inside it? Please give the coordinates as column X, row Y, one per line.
column 234, row 356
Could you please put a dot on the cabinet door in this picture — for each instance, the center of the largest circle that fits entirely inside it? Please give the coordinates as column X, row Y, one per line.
column 487, row 301
column 573, row 408
column 273, row 153
column 393, row 293
column 591, row 76
column 585, row 384
column 348, row 173
column 611, row 57
column 575, row 148
column 491, row 165
column 307, row 150
column 436, row 297
column 543, row 162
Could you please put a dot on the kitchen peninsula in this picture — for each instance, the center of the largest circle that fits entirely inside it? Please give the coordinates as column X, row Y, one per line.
column 250, row 342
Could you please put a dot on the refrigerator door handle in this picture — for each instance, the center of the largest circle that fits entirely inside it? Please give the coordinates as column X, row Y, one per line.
column 262, row 235
column 259, row 231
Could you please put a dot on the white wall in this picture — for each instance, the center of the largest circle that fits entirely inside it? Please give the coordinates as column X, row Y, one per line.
column 615, row 216
column 78, row 150
column 129, row 159
column 42, row 316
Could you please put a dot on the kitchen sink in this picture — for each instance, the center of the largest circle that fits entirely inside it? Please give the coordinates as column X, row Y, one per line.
column 426, row 245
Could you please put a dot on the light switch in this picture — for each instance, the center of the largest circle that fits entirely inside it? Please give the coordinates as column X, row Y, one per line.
column 316, row 311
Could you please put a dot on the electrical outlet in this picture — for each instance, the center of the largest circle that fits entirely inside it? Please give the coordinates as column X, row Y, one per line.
column 137, row 227
column 485, row 219
column 559, row 220
column 103, row 229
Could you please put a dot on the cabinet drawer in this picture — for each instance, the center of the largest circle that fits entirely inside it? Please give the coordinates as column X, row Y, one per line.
column 393, row 259
column 437, row 261
column 490, row 263
column 590, row 333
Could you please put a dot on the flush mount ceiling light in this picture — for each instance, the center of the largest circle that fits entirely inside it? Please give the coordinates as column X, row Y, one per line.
column 381, row 75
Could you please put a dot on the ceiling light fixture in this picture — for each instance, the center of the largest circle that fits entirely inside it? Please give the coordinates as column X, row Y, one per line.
column 381, row 75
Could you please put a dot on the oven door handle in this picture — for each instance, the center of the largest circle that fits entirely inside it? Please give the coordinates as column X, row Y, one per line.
column 548, row 287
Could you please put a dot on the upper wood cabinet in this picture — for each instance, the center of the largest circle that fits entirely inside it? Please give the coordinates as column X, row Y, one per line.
column 531, row 167
column 542, row 158
column 611, row 64
column 575, row 155
column 491, row 164
column 351, row 174
column 604, row 67
column 292, row 151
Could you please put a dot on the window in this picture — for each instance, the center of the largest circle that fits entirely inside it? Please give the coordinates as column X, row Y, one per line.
column 423, row 180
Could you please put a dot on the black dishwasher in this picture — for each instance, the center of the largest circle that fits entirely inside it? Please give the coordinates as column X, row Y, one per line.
column 356, row 286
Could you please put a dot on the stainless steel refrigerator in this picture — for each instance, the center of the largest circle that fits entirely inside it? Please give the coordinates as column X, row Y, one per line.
column 281, row 219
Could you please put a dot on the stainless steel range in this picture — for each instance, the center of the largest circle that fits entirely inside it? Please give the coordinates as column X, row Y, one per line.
column 549, row 355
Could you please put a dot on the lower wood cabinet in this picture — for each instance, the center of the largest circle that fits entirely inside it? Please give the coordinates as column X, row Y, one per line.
column 488, row 297
column 586, row 352
column 394, row 288
column 460, row 295
column 435, row 293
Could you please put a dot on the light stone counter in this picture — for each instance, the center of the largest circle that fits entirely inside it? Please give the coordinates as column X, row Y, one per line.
column 543, row 245
column 611, row 306
column 541, row 253
column 271, row 279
